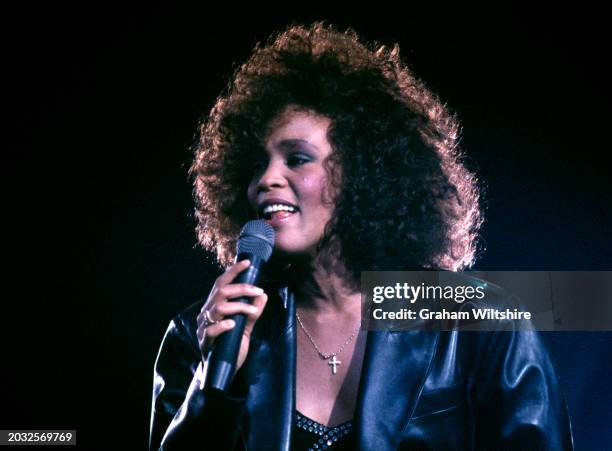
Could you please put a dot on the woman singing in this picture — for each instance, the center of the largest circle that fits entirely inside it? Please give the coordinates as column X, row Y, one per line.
column 354, row 163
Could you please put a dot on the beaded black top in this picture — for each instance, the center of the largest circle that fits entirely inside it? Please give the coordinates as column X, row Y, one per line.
column 310, row 435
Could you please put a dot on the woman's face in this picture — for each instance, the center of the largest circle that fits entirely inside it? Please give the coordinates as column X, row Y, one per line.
column 288, row 183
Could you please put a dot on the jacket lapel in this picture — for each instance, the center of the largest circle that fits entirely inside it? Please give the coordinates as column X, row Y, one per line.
column 270, row 374
column 394, row 370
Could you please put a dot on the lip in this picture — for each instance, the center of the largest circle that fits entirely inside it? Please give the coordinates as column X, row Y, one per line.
column 276, row 222
column 271, row 201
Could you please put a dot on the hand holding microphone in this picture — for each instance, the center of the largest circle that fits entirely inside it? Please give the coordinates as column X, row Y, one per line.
column 233, row 306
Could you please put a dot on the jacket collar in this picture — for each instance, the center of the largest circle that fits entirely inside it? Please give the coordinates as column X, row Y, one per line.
column 394, row 370
column 270, row 372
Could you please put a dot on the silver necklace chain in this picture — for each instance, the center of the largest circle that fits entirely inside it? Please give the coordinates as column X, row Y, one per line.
column 333, row 354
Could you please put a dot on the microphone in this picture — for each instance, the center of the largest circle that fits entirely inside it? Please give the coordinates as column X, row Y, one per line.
column 255, row 243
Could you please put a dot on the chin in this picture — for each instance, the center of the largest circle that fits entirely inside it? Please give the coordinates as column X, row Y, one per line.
column 292, row 250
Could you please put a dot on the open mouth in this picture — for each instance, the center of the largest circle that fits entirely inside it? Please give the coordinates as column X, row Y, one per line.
column 277, row 211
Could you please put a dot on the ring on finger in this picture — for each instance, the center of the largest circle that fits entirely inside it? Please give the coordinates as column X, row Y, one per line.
column 208, row 319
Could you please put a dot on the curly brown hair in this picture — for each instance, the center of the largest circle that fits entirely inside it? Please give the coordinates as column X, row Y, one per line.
column 406, row 199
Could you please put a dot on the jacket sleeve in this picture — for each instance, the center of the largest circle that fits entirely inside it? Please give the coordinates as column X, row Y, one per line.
column 184, row 416
column 519, row 403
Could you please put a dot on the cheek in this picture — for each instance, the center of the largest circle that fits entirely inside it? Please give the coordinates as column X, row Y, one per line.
column 252, row 194
column 312, row 190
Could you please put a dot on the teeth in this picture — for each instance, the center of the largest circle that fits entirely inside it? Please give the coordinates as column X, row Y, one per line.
column 277, row 207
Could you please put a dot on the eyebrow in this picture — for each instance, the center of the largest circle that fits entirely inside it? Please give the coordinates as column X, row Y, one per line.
column 290, row 144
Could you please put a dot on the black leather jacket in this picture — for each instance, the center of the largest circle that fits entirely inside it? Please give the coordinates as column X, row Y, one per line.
column 418, row 390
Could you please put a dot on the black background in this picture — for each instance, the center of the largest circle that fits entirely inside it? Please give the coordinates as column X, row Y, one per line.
column 103, row 102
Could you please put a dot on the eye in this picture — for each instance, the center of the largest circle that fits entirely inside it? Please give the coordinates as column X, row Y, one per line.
column 298, row 159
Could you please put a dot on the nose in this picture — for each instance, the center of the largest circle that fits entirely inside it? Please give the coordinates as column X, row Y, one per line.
column 272, row 177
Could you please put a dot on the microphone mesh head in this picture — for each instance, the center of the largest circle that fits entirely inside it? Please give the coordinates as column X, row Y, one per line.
column 257, row 238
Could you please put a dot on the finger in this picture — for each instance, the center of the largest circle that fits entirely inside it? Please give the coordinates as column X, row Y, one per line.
column 259, row 303
column 232, row 308
column 207, row 334
column 237, row 290
column 253, row 312
column 214, row 330
column 221, row 298
column 231, row 272
column 202, row 318
column 226, row 278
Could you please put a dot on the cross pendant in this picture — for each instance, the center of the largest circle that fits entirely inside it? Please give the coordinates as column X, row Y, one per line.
column 334, row 363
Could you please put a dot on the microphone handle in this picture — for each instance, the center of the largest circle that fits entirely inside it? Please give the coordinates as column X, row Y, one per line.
column 222, row 359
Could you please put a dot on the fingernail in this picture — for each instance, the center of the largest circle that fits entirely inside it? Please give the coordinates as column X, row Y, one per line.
column 230, row 323
column 257, row 290
column 253, row 309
